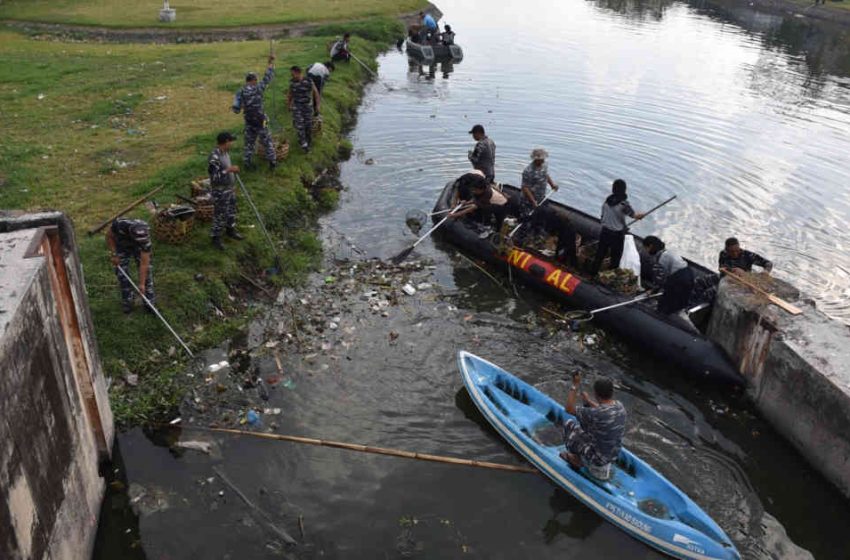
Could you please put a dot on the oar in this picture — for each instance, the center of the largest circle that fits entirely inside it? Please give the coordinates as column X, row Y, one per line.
column 403, row 255
column 775, row 300
column 580, row 316
column 528, row 219
column 155, row 311
column 374, row 75
column 648, row 212
column 276, row 269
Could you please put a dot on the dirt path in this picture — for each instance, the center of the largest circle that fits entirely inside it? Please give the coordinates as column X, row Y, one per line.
column 185, row 34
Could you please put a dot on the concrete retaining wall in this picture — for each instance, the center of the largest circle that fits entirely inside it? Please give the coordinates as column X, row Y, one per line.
column 55, row 422
column 798, row 370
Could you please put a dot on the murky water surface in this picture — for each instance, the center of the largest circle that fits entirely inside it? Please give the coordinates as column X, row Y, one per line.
column 744, row 116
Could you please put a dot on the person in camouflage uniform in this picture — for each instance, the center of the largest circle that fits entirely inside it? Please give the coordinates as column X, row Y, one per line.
column 131, row 239
column 303, row 97
column 594, row 437
column 222, row 180
column 249, row 100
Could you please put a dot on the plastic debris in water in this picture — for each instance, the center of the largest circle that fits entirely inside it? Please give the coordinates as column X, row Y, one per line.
column 289, row 384
column 212, row 368
column 252, row 417
column 408, row 289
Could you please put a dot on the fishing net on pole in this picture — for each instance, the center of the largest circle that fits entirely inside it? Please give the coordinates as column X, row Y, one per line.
column 415, row 220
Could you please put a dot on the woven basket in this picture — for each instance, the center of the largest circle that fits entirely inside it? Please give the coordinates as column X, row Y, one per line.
column 172, row 228
column 281, row 150
column 317, row 127
column 200, row 186
column 204, row 208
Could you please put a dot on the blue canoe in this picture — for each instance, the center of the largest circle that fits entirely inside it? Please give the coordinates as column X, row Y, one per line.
column 636, row 498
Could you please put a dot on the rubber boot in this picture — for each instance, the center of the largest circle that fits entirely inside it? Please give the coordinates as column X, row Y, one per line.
column 233, row 234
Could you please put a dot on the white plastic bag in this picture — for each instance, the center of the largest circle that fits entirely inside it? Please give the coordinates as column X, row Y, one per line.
column 631, row 258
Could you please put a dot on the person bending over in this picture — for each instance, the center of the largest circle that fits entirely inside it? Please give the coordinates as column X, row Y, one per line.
column 595, row 436
column 670, row 273
column 488, row 202
column 733, row 256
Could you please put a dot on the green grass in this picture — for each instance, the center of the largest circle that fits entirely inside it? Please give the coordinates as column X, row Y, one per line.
column 200, row 13
column 89, row 128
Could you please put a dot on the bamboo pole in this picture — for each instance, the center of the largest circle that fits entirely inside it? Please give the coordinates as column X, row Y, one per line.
column 369, row 449
column 772, row 298
column 125, row 210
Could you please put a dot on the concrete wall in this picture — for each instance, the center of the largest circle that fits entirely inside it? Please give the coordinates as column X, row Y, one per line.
column 798, row 370
column 55, row 422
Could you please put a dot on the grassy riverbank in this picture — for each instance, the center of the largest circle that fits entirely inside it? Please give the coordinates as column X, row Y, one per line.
column 90, row 127
column 200, row 13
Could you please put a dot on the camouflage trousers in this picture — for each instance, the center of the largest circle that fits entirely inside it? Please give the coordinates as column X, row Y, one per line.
column 302, row 120
column 224, row 210
column 127, row 291
column 251, row 134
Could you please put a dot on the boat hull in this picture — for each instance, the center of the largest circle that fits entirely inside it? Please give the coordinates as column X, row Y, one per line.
column 667, row 337
column 686, row 532
column 430, row 53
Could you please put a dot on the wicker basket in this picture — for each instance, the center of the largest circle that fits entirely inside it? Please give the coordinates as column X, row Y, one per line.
column 281, row 149
column 204, row 207
column 173, row 224
column 317, row 126
column 200, row 186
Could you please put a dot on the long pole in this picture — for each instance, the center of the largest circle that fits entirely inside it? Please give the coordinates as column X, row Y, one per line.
column 370, row 449
column 519, row 225
column 156, row 312
column 648, row 212
column 125, row 210
column 403, row 255
column 259, row 219
column 653, row 209
column 374, row 75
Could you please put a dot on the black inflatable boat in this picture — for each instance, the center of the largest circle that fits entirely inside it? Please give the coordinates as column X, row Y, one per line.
column 430, row 53
column 669, row 337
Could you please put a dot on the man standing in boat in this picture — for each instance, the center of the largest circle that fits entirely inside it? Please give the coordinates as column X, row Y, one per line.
column 483, row 155
column 535, row 179
column 594, row 437
column 615, row 209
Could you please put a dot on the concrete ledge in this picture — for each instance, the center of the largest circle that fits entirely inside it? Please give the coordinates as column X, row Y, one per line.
column 797, row 369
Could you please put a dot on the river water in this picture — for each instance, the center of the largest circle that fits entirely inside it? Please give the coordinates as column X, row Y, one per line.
column 743, row 116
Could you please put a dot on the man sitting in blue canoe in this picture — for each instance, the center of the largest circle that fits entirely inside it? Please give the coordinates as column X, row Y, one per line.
column 594, row 437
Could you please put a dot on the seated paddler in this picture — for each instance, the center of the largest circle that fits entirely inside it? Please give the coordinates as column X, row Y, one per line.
column 593, row 438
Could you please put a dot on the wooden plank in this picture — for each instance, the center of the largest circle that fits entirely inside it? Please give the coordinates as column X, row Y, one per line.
column 772, row 298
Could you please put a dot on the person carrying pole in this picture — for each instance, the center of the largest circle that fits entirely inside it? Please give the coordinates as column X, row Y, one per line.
column 131, row 239
column 222, row 182
column 615, row 209
column 249, row 100
column 303, row 99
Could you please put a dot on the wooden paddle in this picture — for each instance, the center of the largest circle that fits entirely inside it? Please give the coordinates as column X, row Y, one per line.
column 775, row 300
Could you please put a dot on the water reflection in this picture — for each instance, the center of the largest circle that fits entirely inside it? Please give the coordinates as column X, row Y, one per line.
column 416, row 69
column 568, row 518
column 635, row 10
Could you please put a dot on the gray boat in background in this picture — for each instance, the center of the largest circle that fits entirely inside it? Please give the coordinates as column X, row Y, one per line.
column 431, row 53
